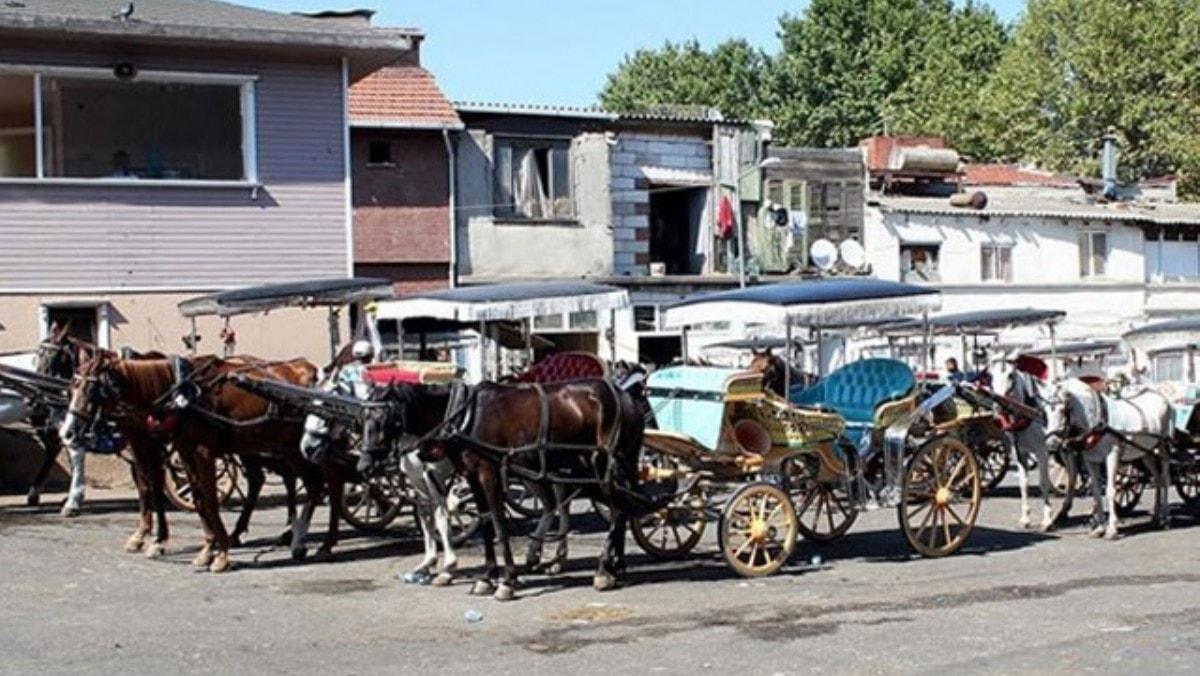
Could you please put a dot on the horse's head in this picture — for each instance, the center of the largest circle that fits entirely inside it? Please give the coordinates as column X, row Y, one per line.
column 95, row 387
column 58, row 355
column 384, row 423
column 1072, row 413
column 773, row 369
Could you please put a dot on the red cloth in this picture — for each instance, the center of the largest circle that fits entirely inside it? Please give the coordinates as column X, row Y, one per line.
column 1033, row 366
column 725, row 218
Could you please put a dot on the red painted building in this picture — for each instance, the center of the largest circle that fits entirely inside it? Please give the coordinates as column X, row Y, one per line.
column 401, row 125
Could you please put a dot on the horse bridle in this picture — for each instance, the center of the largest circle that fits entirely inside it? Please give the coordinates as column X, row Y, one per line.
column 1080, row 439
column 101, row 389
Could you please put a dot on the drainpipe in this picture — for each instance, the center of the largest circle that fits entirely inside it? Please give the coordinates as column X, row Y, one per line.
column 451, row 161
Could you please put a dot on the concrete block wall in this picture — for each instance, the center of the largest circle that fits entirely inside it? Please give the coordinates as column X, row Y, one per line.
column 631, row 190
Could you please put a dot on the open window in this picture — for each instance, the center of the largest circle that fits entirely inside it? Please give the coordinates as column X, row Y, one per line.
column 919, row 263
column 146, row 126
column 1093, row 253
column 533, row 179
column 85, row 320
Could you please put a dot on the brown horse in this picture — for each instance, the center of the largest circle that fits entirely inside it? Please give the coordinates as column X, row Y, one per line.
column 776, row 371
column 220, row 419
column 586, row 433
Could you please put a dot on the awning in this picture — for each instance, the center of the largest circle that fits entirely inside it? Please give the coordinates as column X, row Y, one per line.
column 980, row 321
column 1172, row 333
column 818, row 303
column 311, row 293
column 1082, row 349
column 677, row 177
column 520, row 300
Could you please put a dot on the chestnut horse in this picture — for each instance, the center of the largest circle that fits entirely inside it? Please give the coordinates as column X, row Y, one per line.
column 586, row 433
column 218, row 420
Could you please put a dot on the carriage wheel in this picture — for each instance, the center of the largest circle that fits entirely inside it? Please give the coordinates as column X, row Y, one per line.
column 995, row 456
column 371, row 506
column 673, row 531
column 824, row 509
column 758, row 530
column 602, row 510
column 1187, row 481
column 179, row 488
column 1130, row 483
column 522, row 500
column 463, row 510
column 1066, row 475
column 941, row 491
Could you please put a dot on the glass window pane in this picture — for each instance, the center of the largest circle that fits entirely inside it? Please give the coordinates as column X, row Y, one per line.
column 561, row 188
column 583, row 320
column 1099, row 252
column 986, row 264
column 158, row 130
column 548, row 322
column 18, row 156
column 1006, row 272
column 1084, row 241
column 645, row 318
column 503, row 158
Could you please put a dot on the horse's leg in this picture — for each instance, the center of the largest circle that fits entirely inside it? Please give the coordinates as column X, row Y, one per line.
column 441, row 517
column 411, row 467
column 533, row 551
column 156, row 473
column 485, row 585
column 194, row 468
column 562, row 499
column 312, row 485
column 53, row 446
column 74, row 502
column 137, row 540
column 508, row 583
column 210, row 506
column 612, row 556
column 1020, row 456
column 1112, row 460
column 335, row 483
column 1160, row 469
column 255, row 478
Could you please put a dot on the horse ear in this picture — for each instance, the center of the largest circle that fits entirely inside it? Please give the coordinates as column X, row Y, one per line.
column 58, row 331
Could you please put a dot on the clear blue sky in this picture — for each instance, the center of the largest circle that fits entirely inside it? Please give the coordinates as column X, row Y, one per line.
column 559, row 51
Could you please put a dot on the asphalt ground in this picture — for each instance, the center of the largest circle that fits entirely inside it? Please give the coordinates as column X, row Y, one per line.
column 72, row 601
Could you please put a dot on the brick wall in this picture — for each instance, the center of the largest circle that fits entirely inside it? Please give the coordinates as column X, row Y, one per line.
column 401, row 211
column 408, row 277
column 631, row 190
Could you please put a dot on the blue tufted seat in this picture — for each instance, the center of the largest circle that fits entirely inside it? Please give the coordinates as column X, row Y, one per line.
column 857, row 389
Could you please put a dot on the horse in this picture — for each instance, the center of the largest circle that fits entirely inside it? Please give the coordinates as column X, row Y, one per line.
column 1028, row 432
column 215, row 418
column 775, row 371
column 1107, row 430
column 59, row 355
column 586, row 433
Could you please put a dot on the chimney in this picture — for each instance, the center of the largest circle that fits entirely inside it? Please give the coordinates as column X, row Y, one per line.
column 1108, row 163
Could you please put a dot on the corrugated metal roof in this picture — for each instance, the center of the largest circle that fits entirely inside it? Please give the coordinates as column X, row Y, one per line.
column 207, row 20
column 1048, row 203
column 690, row 114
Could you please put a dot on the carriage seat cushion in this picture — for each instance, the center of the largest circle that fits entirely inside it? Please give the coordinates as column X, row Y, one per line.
column 857, row 389
column 564, row 367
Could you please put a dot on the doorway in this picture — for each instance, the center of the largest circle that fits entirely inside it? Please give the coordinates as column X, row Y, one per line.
column 675, row 215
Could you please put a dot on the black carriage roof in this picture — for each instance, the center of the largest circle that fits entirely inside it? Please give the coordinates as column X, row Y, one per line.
column 515, row 300
column 1076, row 349
column 309, row 293
column 981, row 321
column 819, row 302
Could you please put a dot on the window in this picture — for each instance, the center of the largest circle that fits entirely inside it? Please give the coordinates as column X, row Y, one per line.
column 645, row 318
column 585, row 321
column 1093, row 253
column 155, row 126
column 996, row 262
column 88, row 321
column 379, row 153
column 533, row 179
column 1168, row 367
column 919, row 263
column 548, row 322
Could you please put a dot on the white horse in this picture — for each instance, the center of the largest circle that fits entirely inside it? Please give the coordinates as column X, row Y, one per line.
column 428, row 480
column 1029, row 434
column 1108, row 431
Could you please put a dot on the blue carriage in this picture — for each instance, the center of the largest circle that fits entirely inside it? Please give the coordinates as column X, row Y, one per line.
column 805, row 465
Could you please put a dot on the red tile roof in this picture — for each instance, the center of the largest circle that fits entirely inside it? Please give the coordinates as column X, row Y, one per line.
column 401, row 96
column 1014, row 175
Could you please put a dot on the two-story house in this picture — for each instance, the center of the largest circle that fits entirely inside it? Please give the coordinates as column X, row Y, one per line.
column 174, row 148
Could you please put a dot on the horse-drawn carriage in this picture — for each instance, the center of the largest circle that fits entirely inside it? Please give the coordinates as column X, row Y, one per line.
column 858, row 438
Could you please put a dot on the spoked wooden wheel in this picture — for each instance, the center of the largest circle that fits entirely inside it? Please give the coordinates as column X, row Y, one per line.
column 179, row 488
column 1186, row 478
column 824, row 509
column 1130, row 483
column 373, row 505
column 994, row 460
column 941, row 490
column 463, row 510
column 522, row 500
column 758, row 530
column 673, row 531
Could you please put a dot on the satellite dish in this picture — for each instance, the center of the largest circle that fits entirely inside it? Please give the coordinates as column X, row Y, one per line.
column 853, row 254
column 824, row 254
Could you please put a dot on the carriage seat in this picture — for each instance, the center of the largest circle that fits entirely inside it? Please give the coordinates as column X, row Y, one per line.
column 857, row 389
column 564, row 367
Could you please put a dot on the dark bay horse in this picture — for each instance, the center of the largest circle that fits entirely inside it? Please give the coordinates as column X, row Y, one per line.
column 585, row 434
column 220, row 419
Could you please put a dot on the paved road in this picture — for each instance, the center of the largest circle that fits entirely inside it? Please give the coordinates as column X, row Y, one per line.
column 71, row 602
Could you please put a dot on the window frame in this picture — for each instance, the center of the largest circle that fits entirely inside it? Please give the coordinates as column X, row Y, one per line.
column 507, row 211
column 996, row 248
column 103, row 318
column 905, row 269
column 1090, row 236
column 248, row 98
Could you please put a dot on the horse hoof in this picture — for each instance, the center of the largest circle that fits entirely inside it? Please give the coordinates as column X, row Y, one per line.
column 554, row 569
column 134, row 545
column 323, row 555
column 483, row 588
column 1046, row 527
column 504, row 592
column 1097, row 532
column 156, row 551
column 299, row 553
column 1112, row 535
column 69, row 512
column 33, row 500
column 285, row 539
column 202, row 561
column 604, row 582
column 220, row 564
column 443, row 579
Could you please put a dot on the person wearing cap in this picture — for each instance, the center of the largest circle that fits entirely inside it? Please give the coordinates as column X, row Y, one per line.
column 352, row 377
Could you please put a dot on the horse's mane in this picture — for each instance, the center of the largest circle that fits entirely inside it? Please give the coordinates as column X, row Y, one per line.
column 144, row 379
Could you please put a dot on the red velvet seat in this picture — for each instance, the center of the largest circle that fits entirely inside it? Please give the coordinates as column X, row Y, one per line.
column 564, row 367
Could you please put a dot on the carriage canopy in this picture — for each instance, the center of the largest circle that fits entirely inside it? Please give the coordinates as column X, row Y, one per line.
column 310, row 293
column 817, row 303
column 979, row 321
column 1173, row 333
column 494, row 302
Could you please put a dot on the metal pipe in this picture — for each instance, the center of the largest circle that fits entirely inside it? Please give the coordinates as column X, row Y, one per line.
column 787, row 361
column 452, row 162
column 1053, row 353
column 925, row 347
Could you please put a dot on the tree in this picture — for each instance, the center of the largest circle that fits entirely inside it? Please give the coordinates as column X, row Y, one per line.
column 1079, row 67
column 727, row 78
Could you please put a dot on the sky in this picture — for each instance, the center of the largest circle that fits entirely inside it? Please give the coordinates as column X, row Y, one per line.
column 559, row 52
